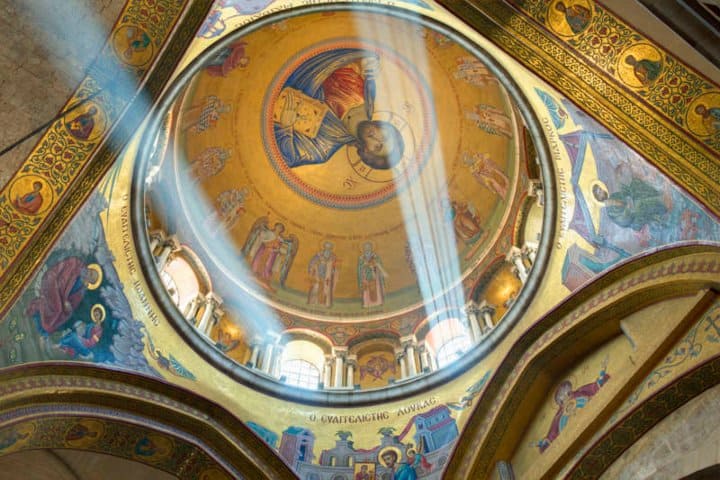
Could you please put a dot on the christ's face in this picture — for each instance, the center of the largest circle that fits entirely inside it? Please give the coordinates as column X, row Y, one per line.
column 389, row 460
column 377, row 141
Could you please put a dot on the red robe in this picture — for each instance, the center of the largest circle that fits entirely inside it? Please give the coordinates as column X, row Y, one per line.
column 61, row 283
column 344, row 89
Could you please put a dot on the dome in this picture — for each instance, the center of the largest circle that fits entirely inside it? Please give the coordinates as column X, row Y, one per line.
column 364, row 180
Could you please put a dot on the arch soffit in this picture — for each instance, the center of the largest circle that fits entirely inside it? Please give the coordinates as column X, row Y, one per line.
column 312, row 336
column 210, row 438
column 385, row 337
column 597, row 308
column 638, row 421
column 201, row 273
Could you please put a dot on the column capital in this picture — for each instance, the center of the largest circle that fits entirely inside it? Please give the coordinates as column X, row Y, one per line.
column 172, row 241
column 351, row 360
column 485, row 307
column 340, row 352
column 528, row 245
column 514, row 253
column 472, row 307
column 158, row 234
column 408, row 340
column 212, row 298
column 399, row 353
column 272, row 338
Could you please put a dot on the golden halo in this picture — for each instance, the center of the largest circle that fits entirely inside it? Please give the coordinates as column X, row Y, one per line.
column 387, row 449
column 95, row 267
column 601, row 184
column 101, row 307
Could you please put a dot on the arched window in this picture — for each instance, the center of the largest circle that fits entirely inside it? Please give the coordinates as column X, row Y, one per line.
column 452, row 349
column 300, row 373
column 448, row 339
column 181, row 282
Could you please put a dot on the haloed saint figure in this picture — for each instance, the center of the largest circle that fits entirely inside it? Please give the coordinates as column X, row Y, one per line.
column 327, row 103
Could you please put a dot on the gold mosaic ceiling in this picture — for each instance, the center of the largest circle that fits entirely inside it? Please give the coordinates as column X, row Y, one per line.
column 345, row 166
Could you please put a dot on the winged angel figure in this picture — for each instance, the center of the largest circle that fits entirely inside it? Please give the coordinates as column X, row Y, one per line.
column 269, row 252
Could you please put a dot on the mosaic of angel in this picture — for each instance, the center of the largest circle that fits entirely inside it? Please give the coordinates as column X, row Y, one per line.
column 487, row 173
column 327, row 103
column 269, row 252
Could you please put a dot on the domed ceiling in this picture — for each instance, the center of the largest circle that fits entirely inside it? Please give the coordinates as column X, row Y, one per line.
column 346, row 167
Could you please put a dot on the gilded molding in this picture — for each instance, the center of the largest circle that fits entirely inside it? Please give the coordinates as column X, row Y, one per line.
column 130, row 416
column 663, row 136
column 69, row 160
column 633, row 426
column 657, row 275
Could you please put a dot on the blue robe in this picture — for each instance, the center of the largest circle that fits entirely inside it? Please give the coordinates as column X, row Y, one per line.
column 298, row 149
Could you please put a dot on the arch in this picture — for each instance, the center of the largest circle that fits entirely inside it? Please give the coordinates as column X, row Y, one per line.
column 162, row 425
column 181, row 281
column 445, row 331
column 691, row 432
column 576, row 327
column 387, row 336
column 319, row 339
column 451, row 349
column 194, row 260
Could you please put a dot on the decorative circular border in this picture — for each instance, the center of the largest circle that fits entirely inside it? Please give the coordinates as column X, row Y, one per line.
column 339, row 399
column 340, row 201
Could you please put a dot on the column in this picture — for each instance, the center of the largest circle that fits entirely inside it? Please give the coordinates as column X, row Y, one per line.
column 472, row 311
column 400, row 359
column 216, row 316
column 255, row 345
column 267, row 358
column 277, row 366
column 152, row 175
column 515, row 257
column 156, row 238
column 529, row 251
column 192, row 308
column 536, row 190
column 428, row 360
column 212, row 302
column 170, row 245
column 486, row 312
column 422, row 353
column 327, row 374
column 270, row 353
column 340, row 353
column 351, row 364
column 432, row 359
column 408, row 344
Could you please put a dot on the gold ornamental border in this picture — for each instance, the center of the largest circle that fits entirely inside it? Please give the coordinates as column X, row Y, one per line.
column 669, row 272
column 69, row 163
column 140, row 418
column 573, row 68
